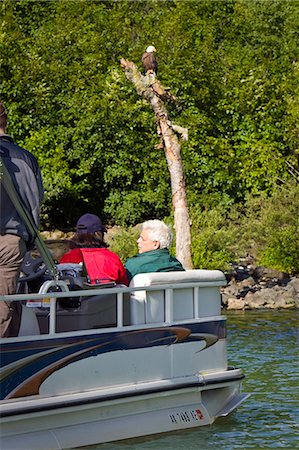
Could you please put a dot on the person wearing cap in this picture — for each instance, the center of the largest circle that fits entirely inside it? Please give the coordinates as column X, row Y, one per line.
column 15, row 239
column 153, row 246
column 89, row 248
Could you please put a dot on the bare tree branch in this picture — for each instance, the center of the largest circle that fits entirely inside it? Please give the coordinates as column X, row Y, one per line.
column 170, row 136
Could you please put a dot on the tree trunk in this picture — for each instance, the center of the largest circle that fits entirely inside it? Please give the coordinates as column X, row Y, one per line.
column 152, row 90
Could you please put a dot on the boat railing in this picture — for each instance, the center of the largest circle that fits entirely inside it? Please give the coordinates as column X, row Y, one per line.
column 154, row 303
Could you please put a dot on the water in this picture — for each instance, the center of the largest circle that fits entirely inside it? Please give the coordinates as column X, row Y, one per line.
column 264, row 344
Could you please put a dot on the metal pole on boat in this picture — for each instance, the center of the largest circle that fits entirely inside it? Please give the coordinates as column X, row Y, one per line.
column 26, row 217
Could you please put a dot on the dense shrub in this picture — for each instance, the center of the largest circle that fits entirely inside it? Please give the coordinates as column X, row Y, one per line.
column 264, row 228
column 279, row 230
column 212, row 238
column 123, row 242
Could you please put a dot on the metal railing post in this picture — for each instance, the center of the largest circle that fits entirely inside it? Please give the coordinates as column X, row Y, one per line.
column 119, row 309
column 168, row 305
column 52, row 322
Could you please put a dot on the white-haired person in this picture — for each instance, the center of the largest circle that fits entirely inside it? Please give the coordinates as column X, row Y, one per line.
column 153, row 246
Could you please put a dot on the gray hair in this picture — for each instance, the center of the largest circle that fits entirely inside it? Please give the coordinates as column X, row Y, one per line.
column 158, row 231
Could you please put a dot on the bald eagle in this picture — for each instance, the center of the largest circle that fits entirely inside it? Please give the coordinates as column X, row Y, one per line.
column 149, row 60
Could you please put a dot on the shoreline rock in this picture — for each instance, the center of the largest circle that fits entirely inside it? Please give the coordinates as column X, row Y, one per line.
column 252, row 287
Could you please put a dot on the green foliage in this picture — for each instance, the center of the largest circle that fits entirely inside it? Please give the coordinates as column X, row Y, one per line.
column 277, row 225
column 282, row 250
column 123, row 242
column 265, row 228
column 233, row 66
column 212, row 239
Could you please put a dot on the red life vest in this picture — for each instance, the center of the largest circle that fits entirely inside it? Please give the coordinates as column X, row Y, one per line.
column 102, row 265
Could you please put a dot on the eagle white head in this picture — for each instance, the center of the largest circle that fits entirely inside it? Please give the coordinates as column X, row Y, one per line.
column 150, row 49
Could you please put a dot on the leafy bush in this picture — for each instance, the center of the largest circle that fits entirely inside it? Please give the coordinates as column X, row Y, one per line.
column 212, row 238
column 123, row 242
column 265, row 228
column 282, row 250
column 280, row 230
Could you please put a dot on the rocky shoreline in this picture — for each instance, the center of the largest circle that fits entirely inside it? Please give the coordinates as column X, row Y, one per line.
column 252, row 287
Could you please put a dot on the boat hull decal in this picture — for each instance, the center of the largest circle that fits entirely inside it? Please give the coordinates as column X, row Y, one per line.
column 26, row 365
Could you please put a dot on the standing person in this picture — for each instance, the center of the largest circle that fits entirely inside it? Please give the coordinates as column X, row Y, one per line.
column 15, row 239
column 153, row 245
column 89, row 247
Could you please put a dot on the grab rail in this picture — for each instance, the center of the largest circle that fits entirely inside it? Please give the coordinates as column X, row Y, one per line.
column 111, row 290
column 120, row 291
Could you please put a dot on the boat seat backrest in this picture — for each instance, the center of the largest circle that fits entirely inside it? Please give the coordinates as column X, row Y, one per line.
column 88, row 313
column 202, row 300
column 94, row 312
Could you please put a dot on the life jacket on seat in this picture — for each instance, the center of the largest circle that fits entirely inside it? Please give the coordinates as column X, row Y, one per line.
column 103, row 266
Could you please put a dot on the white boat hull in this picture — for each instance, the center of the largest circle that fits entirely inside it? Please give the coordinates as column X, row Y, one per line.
column 92, row 417
column 160, row 366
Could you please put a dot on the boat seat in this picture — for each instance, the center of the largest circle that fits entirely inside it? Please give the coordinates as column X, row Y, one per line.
column 85, row 313
column 78, row 313
column 149, row 306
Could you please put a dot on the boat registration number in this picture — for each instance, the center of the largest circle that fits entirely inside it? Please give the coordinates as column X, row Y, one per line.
column 189, row 416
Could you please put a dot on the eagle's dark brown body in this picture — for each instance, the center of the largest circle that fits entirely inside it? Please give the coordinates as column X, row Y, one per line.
column 149, row 62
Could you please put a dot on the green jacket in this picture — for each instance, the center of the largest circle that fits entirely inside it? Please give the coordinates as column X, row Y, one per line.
column 154, row 261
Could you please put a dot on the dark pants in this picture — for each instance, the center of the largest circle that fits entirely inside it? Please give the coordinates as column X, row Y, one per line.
column 12, row 251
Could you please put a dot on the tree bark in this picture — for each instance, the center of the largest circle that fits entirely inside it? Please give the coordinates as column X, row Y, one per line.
column 170, row 136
